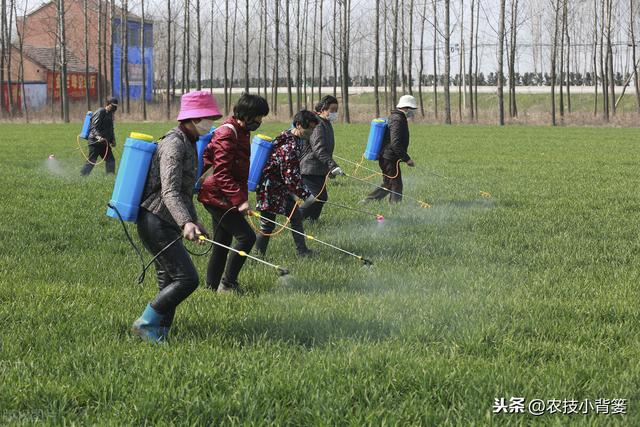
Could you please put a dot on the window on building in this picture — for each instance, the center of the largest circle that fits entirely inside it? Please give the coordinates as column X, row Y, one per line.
column 134, row 35
column 148, row 36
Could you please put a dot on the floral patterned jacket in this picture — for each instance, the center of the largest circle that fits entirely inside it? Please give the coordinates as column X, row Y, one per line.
column 281, row 176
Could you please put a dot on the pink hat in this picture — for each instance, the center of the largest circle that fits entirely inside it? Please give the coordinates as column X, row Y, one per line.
column 198, row 104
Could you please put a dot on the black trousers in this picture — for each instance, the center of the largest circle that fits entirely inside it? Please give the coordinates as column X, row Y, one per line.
column 177, row 276
column 268, row 227
column 315, row 183
column 394, row 184
column 227, row 226
column 99, row 150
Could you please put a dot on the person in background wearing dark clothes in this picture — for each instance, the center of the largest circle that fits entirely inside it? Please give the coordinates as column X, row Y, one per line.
column 281, row 183
column 167, row 211
column 225, row 193
column 101, row 138
column 317, row 156
column 394, row 150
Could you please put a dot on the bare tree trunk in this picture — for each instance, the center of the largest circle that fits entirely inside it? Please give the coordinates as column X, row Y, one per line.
column 101, row 95
column 471, row 79
column 276, row 65
column 8, row 35
column 226, row 57
column 513, row 107
column 386, row 57
column 435, row 59
column 501, row 63
column 105, row 72
column 3, row 52
column 168, row 94
column 298, row 57
column 288, row 49
column 143, row 95
column 334, row 44
column 112, row 72
column 346, row 29
column 447, row 62
column 475, row 74
column 305, row 52
column 554, row 55
column 403, row 75
column 603, row 69
column 198, row 47
column 320, row 53
column 63, row 62
column 174, row 63
column 233, row 53
column 561, row 76
column 394, row 55
column 376, row 64
column 313, row 49
column 87, row 92
column 410, row 61
column 126, row 56
column 266, row 39
column 568, row 72
column 246, row 47
column 612, row 76
column 636, row 78
column 261, row 38
column 595, row 56
column 421, row 72
column 20, row 33
column 461, row 62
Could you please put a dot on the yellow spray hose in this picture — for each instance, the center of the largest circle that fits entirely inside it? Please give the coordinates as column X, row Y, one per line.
column 281, row 271
column 87, row 158
column 484, row 194
column 310, row 237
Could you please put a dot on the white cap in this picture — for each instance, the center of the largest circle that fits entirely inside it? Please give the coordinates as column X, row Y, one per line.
column 407, row 101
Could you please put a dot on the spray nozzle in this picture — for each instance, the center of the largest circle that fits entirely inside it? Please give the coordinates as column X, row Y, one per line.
column 379, row 218
column 485, row 194
column 366, row 262
column 282, row 272
column 424, row 205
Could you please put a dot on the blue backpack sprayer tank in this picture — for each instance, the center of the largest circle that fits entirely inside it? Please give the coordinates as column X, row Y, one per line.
column 132, row 176
column 201, row 144
column 261, row 147
column 84, row 133
column 376, row 136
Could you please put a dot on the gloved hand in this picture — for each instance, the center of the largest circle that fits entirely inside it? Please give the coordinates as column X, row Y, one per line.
column 308, row 202
column 337, row 171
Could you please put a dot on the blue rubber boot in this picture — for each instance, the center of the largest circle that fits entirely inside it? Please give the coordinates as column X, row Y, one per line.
column 149, row 326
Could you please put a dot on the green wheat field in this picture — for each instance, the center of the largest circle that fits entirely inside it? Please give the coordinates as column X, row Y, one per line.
column 532, row 293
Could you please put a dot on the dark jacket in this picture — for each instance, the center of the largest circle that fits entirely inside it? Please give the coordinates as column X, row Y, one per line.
column 281, row 175
column 168, row 192
column 317, row 151
column 228, row 155
column 396, row 137
column 101, row 126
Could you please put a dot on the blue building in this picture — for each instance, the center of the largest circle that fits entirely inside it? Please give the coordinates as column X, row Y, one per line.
column 134, row 59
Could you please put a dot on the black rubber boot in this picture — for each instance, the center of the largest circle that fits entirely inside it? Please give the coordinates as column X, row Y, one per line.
column 261, row 244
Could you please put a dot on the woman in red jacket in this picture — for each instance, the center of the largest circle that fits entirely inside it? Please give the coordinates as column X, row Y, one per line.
column 225, row 192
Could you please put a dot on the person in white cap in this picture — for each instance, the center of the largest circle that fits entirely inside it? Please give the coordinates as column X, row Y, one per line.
column 394, row 151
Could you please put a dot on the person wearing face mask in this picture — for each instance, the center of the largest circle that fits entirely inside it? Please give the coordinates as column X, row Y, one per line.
column 225, row 193
column 394, row 150
column 281, row 183
column 167, row 211
column 101, row 138
column 317, row 156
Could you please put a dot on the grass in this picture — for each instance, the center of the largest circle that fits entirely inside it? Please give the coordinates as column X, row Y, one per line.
column 532, row 293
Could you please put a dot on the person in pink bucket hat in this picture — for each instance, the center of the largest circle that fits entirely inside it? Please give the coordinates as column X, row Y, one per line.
column 167, row 213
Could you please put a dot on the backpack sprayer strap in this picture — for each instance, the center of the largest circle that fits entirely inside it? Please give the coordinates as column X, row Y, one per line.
column 209, row 170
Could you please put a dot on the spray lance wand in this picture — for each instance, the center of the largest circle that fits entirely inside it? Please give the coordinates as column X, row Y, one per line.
column 379, row 217
column 484, row 194
column 420, row 202
column 281, row 271
column 364, row 260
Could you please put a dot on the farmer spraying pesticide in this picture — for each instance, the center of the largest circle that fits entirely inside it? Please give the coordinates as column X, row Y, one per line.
column 317, row 156
column 167, row 213
column 101, row 138
column 281, row 184
column 225, row 192
column 394, row 151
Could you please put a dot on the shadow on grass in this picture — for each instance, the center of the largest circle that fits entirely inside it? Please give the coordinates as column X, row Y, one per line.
column 307, row 330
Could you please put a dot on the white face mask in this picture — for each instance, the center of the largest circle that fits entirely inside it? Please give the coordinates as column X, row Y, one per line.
column 332, row 117
column 203, row 126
